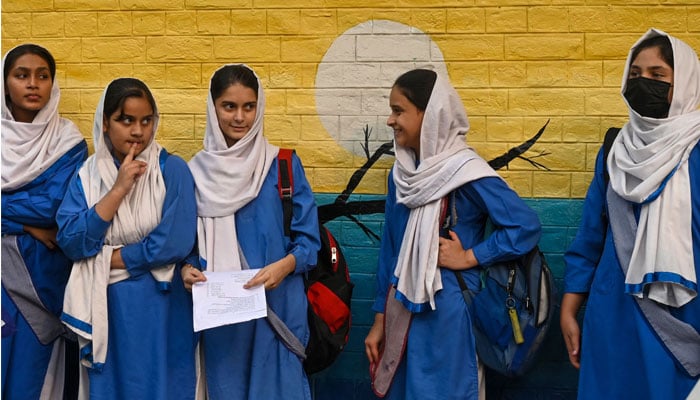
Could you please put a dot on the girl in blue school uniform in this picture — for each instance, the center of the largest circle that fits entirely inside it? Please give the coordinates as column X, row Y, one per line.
column 240, row 226
column 127, row 220
column 647, row 221
column 40, row 152
column 422, row 325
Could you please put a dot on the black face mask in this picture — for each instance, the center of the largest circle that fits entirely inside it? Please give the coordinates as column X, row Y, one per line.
column 648, row 97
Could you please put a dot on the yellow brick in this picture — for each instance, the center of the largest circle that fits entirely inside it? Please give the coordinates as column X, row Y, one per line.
column 561, row 157
column 548, row 19
column 309, row 71
column 551, row 184
column 283, row 21
column 176, row 126
column 547, row 102
column 247, row 49
column 469, row 74
column 312, row 129
column 587, row 19
column 70, row 100
column 318, row 22
column 583, row 73
column 325, row 180
column 286, row 75
column 626, row 19
column 115, row 49
column 82, row 75
column 402, row 16
column 84, row 123
column 214, row 22
column 591, row 154
column 148, row 23
column 181, row 23
column 200, row 123
column 291, row 3
column 477, row 129
column 88, row 101
column 468, row 20
column 114, row 23
column 693, row 19
column 81, row 24
column 604, row 45
column 48, row 24
column 151, row 4
column 484, row 101
column 551, row 133
column 488, row 150
column 152, row 74
column 580, row 181
column 246, row 22
column 181, row 101
column 275, row 102
column 111, row 71
column 543, row 46
column 64, row 50
column 182, row 148
column 508, row 74
column 83, row 5
column 504, row 129
column 669, row 19
column 219, row 4
column 301, row 101
column 506, row 19
column 581, row 130
column 16, row 25
column 547, row 73
column 429, row 20
column 179, row 48
column 9, row 6
column 605, row 102
column 348, row 18
column 282, row 127
column 373, row 182
column 320, row 156
column 520, row 181
column 470, row 47
column 304, row 49
column 183, row 75
column 612, row 72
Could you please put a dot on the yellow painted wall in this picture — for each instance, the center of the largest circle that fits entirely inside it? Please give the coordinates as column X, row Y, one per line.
column 515, row 63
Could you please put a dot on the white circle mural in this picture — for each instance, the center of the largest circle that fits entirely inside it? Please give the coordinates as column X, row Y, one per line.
column 355, row 76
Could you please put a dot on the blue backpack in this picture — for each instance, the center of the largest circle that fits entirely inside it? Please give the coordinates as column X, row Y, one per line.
column 512, row 311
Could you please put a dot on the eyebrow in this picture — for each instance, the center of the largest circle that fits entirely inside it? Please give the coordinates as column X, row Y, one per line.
column 29, row 69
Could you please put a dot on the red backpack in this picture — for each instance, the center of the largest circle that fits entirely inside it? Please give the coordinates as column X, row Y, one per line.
column 328, row 286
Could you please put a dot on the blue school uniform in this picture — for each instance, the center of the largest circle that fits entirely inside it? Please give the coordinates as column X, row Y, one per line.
column 150, row 353
column 246, row 360
column 24, row 358
column 621, row 356
column 440, row 361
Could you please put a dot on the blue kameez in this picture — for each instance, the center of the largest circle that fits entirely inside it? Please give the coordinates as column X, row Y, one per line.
column 24, row 358
column 440, row 357
column 150, row 353
column 621, row 356
column 246, row 360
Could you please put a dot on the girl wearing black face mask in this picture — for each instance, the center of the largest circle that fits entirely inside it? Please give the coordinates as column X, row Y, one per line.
column 638, row 266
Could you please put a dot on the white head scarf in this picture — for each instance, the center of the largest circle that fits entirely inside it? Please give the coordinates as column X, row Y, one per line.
column 138, row 214
column 647, row 154
column 228, row 178
column 28, row 149
column 446, row 163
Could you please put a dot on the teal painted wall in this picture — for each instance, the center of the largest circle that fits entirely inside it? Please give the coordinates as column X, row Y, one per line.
column 348, row 378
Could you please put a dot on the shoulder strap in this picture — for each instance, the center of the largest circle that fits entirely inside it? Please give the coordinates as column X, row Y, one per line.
column 285, row 186
column 610, row 136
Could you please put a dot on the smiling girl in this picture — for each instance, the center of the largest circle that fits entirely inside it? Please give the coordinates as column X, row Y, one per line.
column 40, row 152
column 127, row 220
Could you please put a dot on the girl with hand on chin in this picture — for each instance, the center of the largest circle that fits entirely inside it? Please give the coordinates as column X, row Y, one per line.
column 40, row 153
column 240, row 226
column 421, row 345
column 127, row 220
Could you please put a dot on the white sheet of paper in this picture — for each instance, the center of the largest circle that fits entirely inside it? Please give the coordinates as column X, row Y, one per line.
column 221, row 300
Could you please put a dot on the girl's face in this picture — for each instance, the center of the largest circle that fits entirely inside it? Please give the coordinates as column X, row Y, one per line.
column 130, row 126
column 235, row 111
column 405, row 119
column 649, row 64
column 29, row 86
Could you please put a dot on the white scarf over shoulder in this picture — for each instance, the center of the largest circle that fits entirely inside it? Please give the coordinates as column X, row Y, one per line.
column 138, row 214
column 228, row 178
column 445, row 164
column 650, row 155
column 29, row 149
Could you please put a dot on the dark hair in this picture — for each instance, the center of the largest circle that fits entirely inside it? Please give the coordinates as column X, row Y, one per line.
column 229, row 76
column 121, row 89
column 29, row 48
column 664, row 45
column 417, row 85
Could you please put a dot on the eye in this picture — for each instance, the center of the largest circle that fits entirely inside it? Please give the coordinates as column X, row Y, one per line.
column 20, row 75
column 228, row 106
column 126, row 120
column 43, row 76
column 634, row 74
column 250, row 107
column 146, row 121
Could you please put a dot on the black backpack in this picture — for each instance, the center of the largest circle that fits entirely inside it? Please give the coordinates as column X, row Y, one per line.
column 328, row 286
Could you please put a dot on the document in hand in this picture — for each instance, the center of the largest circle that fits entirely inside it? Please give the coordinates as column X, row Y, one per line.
column 222, row 300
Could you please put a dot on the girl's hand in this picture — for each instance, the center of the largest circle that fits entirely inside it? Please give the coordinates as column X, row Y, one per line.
column 273, row 274
column 129, row 172
column 374, row 342
column 47, row 236
column 191, row 275
column 452, row 255
column 570, row 304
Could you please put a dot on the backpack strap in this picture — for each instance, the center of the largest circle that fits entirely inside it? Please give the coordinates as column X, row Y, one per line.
column 285, row 186
column 610, row 136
